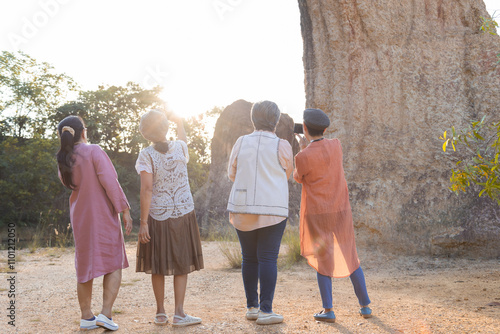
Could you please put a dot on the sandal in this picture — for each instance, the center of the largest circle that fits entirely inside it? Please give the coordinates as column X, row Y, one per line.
column 186, row 321
column 158, row 322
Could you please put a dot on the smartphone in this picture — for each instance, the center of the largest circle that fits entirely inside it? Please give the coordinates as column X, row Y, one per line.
column 298, row 128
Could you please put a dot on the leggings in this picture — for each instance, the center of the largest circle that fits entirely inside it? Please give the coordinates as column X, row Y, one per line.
column 358, row 282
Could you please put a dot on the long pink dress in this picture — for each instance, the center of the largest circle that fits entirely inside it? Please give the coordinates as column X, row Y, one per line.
column 95, row 205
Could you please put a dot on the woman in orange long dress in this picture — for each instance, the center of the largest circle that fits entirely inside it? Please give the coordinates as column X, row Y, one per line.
column 326, row 227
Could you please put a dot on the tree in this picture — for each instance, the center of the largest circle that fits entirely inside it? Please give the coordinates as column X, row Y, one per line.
column 112, row 115
column 29, row 187
column 29, row 92
column 199, row 130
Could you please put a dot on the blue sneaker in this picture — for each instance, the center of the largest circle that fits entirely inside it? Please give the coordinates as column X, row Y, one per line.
column 365, row 312
column 325, row 316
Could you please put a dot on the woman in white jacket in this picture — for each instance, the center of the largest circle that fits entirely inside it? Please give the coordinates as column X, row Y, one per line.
column 260, row 165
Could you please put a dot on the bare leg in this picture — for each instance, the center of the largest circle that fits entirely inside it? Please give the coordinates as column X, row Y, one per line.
column 158, row 282
column 111, row 285
column 180, row 284
column 84, row 291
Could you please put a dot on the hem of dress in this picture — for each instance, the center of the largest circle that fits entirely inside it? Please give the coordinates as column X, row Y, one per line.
column 309, row 263
column 102, row 274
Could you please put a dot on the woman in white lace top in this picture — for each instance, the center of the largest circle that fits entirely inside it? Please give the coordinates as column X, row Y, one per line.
column 169, row 239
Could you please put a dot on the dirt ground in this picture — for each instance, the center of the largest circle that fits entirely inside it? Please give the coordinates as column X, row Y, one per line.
column 409, row 295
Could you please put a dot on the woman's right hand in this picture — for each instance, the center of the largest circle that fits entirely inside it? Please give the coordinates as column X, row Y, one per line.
column 303, row 142
column 144, row 233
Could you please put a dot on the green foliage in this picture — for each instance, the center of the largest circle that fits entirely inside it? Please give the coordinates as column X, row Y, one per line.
column 30, row 190
column 481, row 140
column 112, row 115
column 489, row 25
column 199, row 136
column 481, row 167
column 32, row 103
column 29, row 92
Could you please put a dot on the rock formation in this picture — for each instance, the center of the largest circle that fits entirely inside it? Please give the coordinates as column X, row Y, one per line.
column 393, row 75
column 211, row 199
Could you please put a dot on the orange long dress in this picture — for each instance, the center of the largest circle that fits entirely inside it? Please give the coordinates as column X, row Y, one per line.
column 326, row 228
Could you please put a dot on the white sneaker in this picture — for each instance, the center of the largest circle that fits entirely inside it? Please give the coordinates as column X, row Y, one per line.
column 186, row 321
column 88, row 324
column 252, row 313
column 106, row 322
column 269, row 318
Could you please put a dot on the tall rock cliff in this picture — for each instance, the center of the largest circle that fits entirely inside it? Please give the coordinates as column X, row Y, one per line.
column 392, row 76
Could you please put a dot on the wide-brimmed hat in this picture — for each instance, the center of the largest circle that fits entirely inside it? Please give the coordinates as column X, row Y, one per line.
column 154, row 125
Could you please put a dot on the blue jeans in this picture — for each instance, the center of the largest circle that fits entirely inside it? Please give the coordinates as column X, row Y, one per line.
column 259, row 249
column 358, row 282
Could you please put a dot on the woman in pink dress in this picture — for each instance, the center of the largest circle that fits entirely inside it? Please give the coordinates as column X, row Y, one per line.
column 96, row 202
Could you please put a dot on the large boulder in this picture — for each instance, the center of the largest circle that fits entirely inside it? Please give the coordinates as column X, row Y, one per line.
column 393, row 75
column 211, row 199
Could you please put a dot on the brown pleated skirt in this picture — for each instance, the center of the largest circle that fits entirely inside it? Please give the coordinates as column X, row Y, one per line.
column 174, row 248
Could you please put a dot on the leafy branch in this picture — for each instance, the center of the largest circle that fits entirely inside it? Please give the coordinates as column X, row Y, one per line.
column 481, row 167
column 490, row 26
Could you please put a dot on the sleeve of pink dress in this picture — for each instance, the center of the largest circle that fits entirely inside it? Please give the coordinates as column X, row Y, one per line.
column 108, row 179
column 326, row 227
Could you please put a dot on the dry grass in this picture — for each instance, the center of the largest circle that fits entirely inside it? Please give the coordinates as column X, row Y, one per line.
column 291, row 251
column 227, row 241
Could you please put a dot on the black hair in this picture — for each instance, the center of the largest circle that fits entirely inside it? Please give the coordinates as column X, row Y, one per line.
column 161, row 146
column 65, row 158
column 315, row 132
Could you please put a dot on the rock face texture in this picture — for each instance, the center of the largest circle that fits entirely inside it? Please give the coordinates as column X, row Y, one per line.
column 211, row 199
column 392, row 76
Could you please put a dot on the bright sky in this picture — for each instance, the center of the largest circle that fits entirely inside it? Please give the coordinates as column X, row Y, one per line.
column 204, row 53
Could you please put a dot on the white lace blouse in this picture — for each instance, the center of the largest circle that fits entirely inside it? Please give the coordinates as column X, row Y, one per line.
column 171, row 193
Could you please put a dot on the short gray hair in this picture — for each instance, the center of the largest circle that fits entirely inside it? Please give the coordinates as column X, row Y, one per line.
column 154, row 125
column 265, row 115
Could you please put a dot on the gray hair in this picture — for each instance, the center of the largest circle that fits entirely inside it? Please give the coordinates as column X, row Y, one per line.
column 154, row 125
column 265, row 115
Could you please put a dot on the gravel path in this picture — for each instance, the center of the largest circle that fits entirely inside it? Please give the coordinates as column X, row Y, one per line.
column 409, row 295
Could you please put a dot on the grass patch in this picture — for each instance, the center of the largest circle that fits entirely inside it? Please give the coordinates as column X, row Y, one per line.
column 227, row 241
column 126, row 284
column 49, row 234
column 291, row 250
column 218, row 231
column 232, row 252
column 4, row 269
